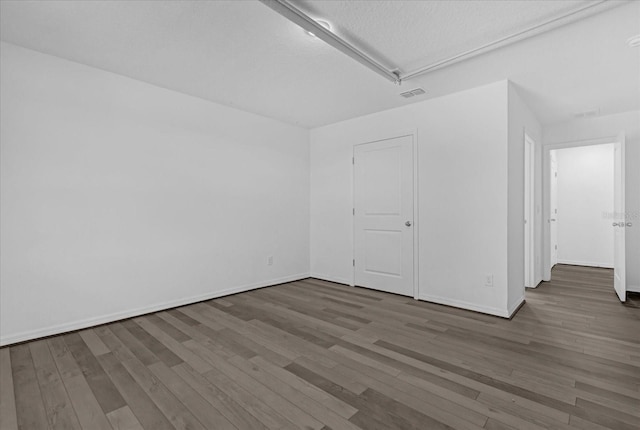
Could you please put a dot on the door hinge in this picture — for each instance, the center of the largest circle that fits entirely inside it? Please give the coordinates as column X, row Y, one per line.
column 354, row 211
column 353, row 160
column 354, row 262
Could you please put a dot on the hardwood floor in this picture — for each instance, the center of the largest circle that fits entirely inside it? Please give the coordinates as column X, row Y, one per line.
column 317, row 355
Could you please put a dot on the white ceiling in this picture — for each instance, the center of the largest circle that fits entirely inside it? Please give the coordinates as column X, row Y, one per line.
column 243, row 54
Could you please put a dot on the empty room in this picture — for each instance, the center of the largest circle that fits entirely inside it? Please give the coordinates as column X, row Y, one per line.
column 306, row 214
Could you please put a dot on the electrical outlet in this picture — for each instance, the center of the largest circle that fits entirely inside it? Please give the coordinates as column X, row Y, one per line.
column 488, row 280
column 270, row 260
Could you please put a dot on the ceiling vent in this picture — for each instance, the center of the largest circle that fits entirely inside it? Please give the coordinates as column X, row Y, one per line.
column 588, row 114
column 414, row 92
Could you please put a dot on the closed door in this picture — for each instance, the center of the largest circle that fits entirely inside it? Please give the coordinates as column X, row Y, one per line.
column 553, row 212
column 619, row 223
column 383, row 215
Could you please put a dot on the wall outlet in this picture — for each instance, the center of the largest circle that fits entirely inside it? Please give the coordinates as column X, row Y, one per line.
column 488, row 280
column 270, row 260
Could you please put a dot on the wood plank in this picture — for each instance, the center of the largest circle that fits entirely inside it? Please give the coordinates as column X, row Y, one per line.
column 150, row 343
column 103, row 389
column 210, row 417
column 219, row 399
column 133, row 347
column 60, row 412
column 96, row 346
column 138, row 402
column 8, row 418
column 330, row 402
column 87, row 408
column 315, row 409
column 276, row 401
column 124, row 419
column 30, row 410
column 170, row 406
column 251, row 403
column 174, row 346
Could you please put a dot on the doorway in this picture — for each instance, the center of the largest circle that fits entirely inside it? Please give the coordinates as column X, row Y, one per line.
column 584, row 189
column 384, row 230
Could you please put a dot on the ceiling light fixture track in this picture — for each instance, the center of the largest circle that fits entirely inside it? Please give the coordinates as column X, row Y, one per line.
column 503, row 41
column 293, row 14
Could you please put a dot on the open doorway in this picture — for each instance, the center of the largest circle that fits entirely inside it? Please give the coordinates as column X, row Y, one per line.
column 583, row 198
column 581, row 202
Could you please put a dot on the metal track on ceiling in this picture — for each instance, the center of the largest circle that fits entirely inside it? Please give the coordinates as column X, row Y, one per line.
column 295, row 15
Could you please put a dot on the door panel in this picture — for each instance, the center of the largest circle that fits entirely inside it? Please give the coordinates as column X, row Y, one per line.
column 619, row 219
column 383, row 196
column 383, row 252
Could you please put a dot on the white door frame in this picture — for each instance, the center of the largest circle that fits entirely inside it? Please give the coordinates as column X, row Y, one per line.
column 546, row 184
column 619, row 241
column 416, row 221
column 529, row 211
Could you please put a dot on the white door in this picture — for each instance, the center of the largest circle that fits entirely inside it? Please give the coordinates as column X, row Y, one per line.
column 529, row 202
column 619, row 278
column 553, row 210
column 383, row 215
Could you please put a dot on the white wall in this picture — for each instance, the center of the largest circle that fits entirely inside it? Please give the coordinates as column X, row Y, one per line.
column 462, row 195
column 118, row 197
column 585, row 193
column 607, row 126
column 521, row 120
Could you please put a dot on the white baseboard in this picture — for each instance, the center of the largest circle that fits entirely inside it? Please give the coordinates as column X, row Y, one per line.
column 587, row 263
column 331, row 278
column 538, row 282
column 104, row 319
column 633, row 288
column 504, row 313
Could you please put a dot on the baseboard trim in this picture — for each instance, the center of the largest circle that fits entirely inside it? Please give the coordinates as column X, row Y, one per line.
column 514, row 308
column 586, row 263
column 117, row 316
column 504, row 313
column 330, row 278
column 633, row 288
column 538, row 282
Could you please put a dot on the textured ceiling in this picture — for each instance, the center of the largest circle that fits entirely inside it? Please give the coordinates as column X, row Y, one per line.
column 242, row 54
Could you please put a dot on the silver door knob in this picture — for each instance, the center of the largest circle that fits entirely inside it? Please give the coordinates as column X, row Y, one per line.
column 615, row 224
column 408, row 223
column 629, row 224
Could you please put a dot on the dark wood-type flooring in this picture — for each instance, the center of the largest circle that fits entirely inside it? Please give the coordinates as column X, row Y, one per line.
column 317, row 355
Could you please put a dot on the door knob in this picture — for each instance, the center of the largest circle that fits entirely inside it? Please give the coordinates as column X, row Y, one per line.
column 408, row 223
column 615, row 224
column 629, row 224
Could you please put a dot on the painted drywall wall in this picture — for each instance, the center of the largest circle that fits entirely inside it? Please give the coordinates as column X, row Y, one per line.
column 462, row 195
column 521, row 120
column 585, row 196
column 120, row 198
column 607, row 126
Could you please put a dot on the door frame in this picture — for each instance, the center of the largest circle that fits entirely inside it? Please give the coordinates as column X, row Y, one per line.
column 530, row 219
column 546, row 186
column 413, row 133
